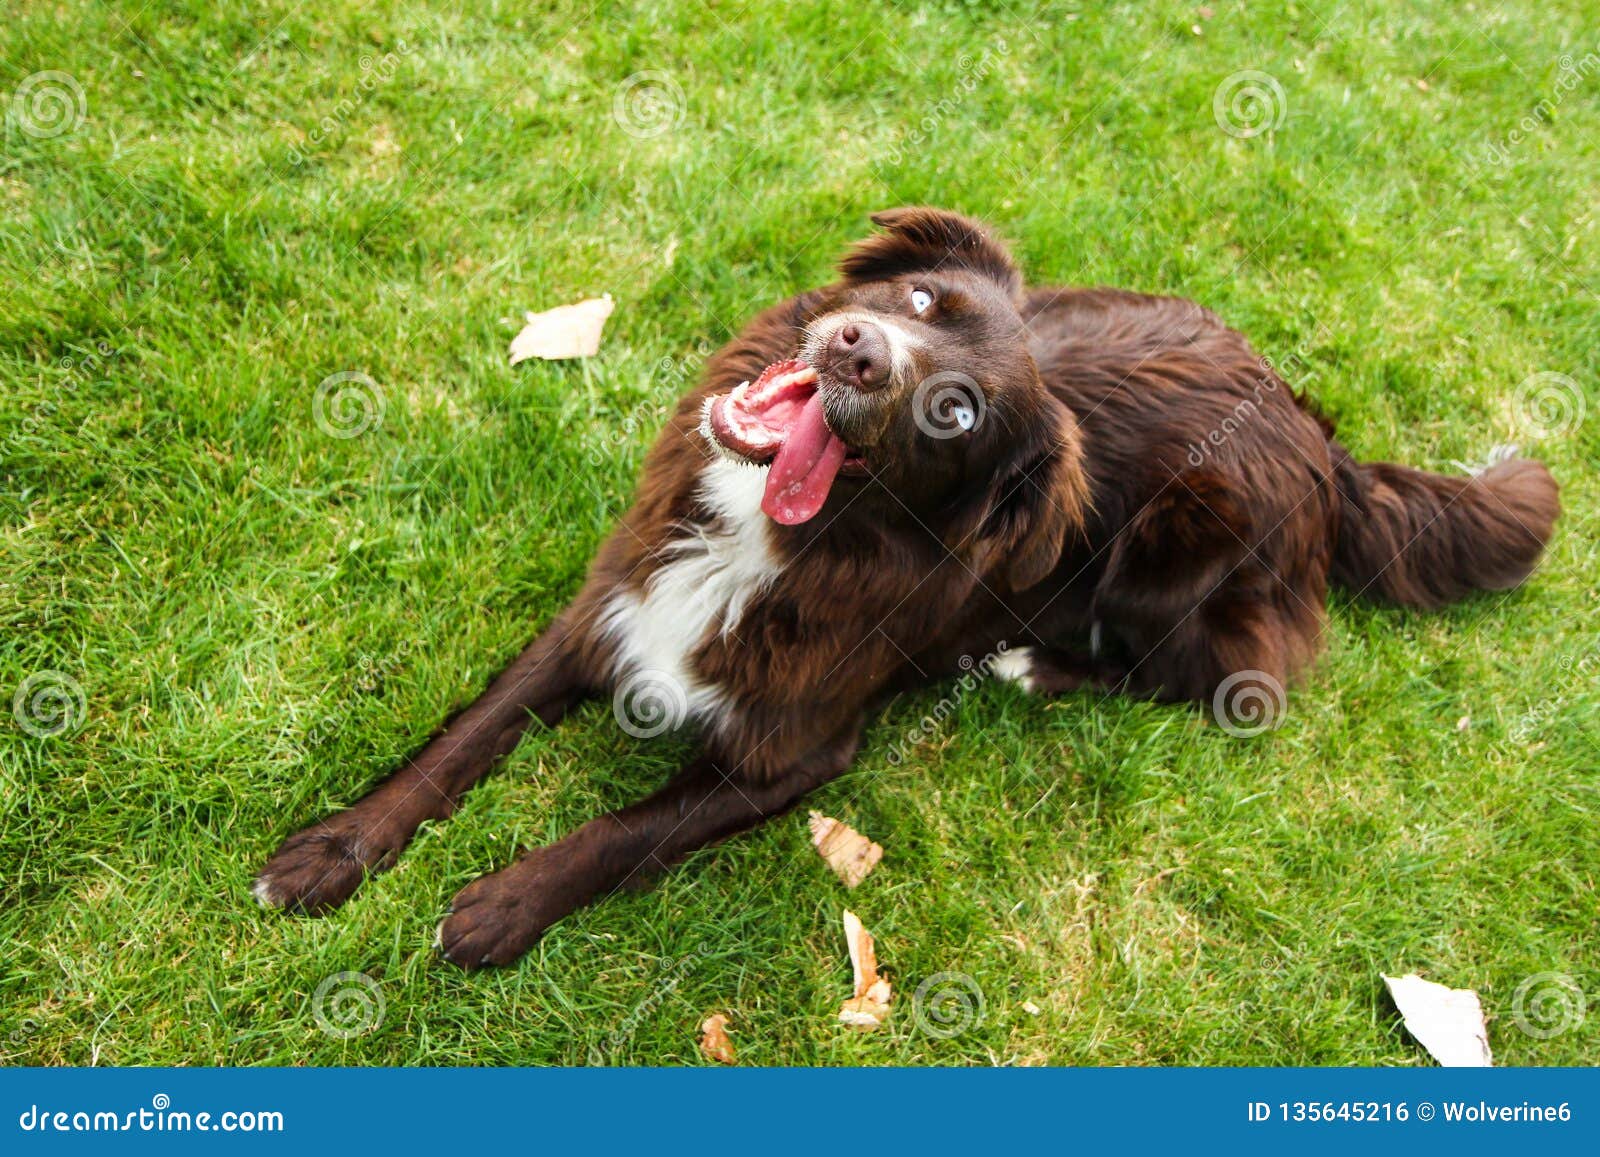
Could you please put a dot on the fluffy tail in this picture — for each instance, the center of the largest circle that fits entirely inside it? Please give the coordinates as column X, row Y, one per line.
column 1423, row 540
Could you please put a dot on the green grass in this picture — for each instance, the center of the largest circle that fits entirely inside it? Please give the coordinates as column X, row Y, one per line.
column 262, row 618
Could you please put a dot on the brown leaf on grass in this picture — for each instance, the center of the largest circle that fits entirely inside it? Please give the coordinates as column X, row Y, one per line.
column 714, row 1042
column 849, row 853
column 567, row 331
column 869, row 1007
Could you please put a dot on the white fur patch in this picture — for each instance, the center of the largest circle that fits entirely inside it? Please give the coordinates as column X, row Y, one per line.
column 266, row 895
column 1016, row 666
column 711, row 574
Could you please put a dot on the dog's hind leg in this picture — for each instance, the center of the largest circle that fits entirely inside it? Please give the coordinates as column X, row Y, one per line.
column 498, row 917
column 318, row 869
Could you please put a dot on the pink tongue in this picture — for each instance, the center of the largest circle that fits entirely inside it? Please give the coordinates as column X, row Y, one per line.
column 802, row 474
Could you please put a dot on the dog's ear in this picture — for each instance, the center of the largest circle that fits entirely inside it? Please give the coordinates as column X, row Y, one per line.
column 1018, row 527
column 918, row 237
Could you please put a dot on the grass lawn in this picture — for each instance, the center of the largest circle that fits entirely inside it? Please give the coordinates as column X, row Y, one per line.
column 207, row 209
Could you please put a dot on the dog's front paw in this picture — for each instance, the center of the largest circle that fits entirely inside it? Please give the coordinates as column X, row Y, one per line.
column 498, row 917
column 314, row 871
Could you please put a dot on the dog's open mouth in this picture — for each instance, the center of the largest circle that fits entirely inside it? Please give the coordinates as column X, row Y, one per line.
column 778, row 418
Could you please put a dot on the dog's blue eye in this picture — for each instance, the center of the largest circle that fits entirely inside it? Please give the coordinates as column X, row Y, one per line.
column 920, row 300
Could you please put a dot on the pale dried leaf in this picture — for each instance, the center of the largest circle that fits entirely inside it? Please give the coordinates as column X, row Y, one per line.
column 863, row 952
column 849, row 853
column 567, row 331
column 1448, row 1022
column 861, row 1013
column 869, row 1007
column 714, row 1042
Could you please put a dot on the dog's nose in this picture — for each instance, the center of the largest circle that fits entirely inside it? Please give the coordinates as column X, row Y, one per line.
column 858, row 352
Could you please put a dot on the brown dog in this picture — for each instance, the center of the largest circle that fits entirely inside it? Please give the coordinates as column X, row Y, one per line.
column 879, row 480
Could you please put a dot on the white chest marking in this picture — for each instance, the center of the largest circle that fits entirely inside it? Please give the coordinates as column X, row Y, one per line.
column 710, row 574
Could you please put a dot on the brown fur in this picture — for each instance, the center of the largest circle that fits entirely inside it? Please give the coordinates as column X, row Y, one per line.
column 1147, row 505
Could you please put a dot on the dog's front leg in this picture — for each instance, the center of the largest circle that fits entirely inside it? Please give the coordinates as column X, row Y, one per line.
column 498, row 917
column 318, row 869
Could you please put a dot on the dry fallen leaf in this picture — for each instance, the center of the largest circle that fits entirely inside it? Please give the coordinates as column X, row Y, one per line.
column 714, row 1042
column 870, row 1006
column 849, row 853
column 567, row 331
column 1448, row 1022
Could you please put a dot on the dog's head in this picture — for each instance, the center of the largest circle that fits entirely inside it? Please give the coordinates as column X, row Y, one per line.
column 912, row 396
